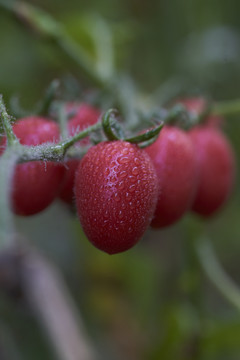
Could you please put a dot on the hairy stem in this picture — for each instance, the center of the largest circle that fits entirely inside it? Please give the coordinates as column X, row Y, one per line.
column 6, row 122
column 7, row 164
column 62, row 118
column 54, row 152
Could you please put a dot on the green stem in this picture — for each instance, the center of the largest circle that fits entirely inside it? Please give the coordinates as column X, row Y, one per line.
column 216, row 274
column 66, row 144
column 107, row 121
column 53, row 152
column 7, row 5
column 77, row 55
column 50, row 30
column 7, row 164
column 62, row 119
column 230, row 107
column 48, row 98
column 17, row 153
column 6, row 121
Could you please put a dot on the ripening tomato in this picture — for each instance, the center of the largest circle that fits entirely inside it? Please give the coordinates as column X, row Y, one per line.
column 85, row 116
column 174, row 159
column 216, row 168
column 116, row 190
column 35, row 184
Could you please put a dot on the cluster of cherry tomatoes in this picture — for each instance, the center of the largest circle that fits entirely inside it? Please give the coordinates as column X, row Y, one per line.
column 120, row 189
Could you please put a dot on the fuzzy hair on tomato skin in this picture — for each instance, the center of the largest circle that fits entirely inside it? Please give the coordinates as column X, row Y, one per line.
column 116, row 192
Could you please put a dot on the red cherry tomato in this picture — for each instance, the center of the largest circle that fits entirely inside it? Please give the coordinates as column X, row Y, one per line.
column 174, row 159
column 116, row 191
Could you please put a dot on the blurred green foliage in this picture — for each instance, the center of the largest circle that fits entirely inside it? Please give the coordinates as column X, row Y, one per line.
column 153, row 302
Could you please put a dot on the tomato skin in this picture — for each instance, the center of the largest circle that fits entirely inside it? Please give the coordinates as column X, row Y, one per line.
column 66, row 192
column 174, row 159
column 116, row 191
column 85, row 116
column 216, row 166
column 35, row 184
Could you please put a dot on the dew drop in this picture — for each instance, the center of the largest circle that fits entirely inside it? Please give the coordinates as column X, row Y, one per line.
column 137, row 161
column 117, row 197
column 113, row 178
column 123, row 174
column 120, row 214
column 114, row 151
column 123, row 160
column 131, row 188
column 106, row 171
column 121, row 185
column 132, row 179
column 125, row 151
column 135, row 171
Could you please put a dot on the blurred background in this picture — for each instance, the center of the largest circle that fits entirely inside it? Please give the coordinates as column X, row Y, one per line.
column 154, row 301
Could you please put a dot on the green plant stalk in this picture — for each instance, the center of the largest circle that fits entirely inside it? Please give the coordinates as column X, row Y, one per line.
column 49, row 151
column 48, row 98
column 72, row 50
column 229, row 107
column 7, row 164
column 103, row 43
column 216, row 274
column 15, row 153
column 62, row 119
column 107, row 123
column 6, row 122
column 56, row 152
column 50, row 30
